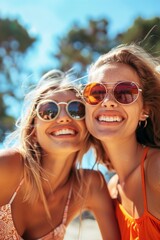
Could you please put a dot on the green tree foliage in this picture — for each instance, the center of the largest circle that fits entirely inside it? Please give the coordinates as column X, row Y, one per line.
column 14, row 43
column 82, row 45
column 143, row 32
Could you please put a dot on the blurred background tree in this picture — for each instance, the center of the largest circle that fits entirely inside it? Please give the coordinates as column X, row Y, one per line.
column 82, row 45
column 145, row 33
column 14, row 43
column 77, row 49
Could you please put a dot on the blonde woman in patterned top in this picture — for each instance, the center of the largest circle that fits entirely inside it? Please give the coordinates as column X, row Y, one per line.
column 42, row 189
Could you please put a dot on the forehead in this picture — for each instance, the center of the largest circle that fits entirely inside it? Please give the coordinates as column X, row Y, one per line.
column 114, row 72
column 61, row 95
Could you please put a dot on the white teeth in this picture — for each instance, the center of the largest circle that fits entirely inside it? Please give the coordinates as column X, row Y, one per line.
column 110, row 119
column 64, row 132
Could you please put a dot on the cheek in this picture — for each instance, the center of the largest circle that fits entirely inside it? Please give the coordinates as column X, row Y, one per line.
column 84, row 130
column 89, row 118
column 138, row 109
column 134, row 115
column 40, row 129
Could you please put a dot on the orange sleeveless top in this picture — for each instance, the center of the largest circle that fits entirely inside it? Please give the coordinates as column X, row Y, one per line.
column 146, row 227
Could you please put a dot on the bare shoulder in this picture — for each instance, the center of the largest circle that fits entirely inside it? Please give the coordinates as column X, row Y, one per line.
column 11, row 172
column 94, row 178
column 90, row 182
column 8, row 155
column 152, row 168
column 96, row 186
column 98, row 200
column 10, row 162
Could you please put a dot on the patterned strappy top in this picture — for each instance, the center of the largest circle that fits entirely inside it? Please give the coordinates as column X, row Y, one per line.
column 9, row 232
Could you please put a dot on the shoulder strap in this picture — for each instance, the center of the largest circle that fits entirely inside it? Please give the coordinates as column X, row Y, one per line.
column 14, row 194
column 67, row 205
column 143, row 177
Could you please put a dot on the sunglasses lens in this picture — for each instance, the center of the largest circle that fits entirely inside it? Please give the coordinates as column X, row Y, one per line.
column 94, row 93
column 48, row 110
column 76, row 110
column 126, row 92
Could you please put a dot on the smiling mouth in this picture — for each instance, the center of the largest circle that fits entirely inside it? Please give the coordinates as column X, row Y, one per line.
column 111, row 119
column 63, row 132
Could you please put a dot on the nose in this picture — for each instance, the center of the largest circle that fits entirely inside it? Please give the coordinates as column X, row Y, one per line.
column 109, row 101
column 63, row 116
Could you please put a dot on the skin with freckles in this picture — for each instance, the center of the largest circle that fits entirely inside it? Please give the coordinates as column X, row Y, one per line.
column 42, row 168
column 129, row 135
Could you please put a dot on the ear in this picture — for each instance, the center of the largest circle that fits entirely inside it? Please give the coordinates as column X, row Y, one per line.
column 144, row 114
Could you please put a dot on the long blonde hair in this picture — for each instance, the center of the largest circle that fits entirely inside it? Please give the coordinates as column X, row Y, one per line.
column 22, row 138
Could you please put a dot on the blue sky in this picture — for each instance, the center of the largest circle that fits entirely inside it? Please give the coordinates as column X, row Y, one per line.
column 50, row 19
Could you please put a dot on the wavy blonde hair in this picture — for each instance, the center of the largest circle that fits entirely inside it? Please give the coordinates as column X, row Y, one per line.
column 22, row 138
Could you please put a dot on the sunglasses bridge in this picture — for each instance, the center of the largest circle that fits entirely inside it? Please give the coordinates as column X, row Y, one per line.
column 62, row 103
column 109, row 95
column 60, row 109
column 67, row 109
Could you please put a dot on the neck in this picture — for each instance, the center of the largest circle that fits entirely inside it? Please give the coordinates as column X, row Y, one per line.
column 125, row 157
column 57, row 171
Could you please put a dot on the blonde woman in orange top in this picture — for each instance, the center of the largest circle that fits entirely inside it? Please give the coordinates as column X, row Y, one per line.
column 122, row 111
column 42, row 189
